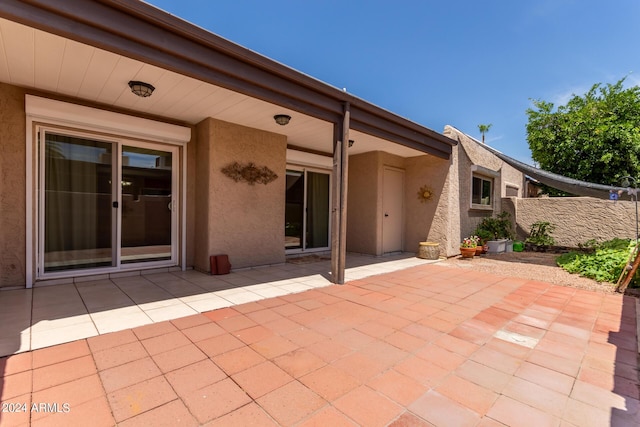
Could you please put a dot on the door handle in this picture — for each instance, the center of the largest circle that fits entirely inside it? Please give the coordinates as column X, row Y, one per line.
column 386, row 214
column 114, row 204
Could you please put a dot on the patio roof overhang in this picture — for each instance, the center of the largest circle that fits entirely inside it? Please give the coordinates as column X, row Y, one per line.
column 198, row 74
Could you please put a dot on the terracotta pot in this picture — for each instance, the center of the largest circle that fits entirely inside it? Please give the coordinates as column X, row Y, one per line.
column 468, row 252
column 479, row 250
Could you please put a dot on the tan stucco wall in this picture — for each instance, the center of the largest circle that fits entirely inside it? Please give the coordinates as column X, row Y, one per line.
column 577, row 219
column 422, row 221
column 469, row 152
column 235, row 218
column 363, row 204
column 12, row 186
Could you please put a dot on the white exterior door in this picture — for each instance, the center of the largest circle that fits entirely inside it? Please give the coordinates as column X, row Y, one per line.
column 392, row 210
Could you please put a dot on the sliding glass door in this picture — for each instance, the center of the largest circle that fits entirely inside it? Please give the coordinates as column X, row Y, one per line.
column 78, row 195
column 105, row 204
column 307, row 210
column 147, row 205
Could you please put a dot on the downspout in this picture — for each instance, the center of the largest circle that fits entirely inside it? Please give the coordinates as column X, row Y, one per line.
column 339, row 211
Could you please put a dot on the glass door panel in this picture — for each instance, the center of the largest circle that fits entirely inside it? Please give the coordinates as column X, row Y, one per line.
column 317, row 226
column 307, row 210
column 294, row 210
column 147, row 207
column 78, row 195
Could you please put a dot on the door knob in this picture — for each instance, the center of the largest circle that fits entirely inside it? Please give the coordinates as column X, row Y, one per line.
column 386, row 214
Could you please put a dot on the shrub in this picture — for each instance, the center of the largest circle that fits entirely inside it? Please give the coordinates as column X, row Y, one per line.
column 491, row 228
column 604, row 264
column 540, row 234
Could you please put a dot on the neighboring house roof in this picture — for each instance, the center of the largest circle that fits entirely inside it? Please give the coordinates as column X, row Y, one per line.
column 136, row 30
column 554, row 180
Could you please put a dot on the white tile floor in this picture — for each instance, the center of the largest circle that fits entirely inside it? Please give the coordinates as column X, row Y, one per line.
column 49, row 315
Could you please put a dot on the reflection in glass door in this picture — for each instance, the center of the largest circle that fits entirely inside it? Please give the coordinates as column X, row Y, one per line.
column 146, row 205
column 294, row 210
column 307, row 210
column 78, row 216
column 104, row 205
column 317, row 218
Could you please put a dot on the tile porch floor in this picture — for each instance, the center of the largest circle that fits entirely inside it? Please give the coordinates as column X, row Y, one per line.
column 49, row 315
column 425, row 346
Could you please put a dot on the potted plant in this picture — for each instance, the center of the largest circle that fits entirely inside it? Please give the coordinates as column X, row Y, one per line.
column 483, row 237
column 498, row 230
column 468, row 247
column 479, row 246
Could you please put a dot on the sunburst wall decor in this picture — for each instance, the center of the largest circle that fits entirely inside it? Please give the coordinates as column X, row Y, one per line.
column 425, row 194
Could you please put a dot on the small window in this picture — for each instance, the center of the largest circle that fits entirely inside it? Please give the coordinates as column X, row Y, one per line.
column 481, row 191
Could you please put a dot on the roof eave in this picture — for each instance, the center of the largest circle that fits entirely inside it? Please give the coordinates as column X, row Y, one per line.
column 144, row 32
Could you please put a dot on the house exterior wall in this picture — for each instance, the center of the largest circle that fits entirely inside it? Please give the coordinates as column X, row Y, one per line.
column 424, row 220
column 243, row 221
column 12, row 186
column 363, row 204
column 421, row 221
column 471, row 156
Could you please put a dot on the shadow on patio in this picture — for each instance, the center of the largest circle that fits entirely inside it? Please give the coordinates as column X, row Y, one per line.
column 49, row 315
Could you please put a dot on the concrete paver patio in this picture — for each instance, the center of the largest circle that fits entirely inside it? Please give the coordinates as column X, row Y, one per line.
column 426, row 346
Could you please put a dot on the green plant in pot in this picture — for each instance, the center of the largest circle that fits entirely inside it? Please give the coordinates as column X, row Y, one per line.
column 497, row 231
column 484, row 236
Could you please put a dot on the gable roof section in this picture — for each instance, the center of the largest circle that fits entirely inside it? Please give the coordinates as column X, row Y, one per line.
column 142, row 32
column 554, row 180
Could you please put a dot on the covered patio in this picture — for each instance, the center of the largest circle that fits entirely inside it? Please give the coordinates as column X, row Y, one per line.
column 105, row 177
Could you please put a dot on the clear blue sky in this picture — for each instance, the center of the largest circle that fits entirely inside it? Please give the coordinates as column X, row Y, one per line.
column 457, row 62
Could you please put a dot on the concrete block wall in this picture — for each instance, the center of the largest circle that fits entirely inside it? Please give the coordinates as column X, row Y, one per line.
column 577, row 219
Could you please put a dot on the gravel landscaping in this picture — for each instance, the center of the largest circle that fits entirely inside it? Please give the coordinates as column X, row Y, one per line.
column 529, row 265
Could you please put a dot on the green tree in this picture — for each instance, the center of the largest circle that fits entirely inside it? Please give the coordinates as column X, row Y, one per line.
column 484, row 129
column 594, row 138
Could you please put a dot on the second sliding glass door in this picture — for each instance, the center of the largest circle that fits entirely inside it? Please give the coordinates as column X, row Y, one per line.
column 307, row 210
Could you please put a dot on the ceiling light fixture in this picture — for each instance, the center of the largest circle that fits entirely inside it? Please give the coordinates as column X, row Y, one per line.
column 141, row 89
column 282, row 119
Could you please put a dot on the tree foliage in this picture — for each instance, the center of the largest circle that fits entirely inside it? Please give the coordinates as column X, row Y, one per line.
column 484, row 129
column 594, row 137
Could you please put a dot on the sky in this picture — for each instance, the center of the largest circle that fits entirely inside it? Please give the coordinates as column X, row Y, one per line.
column 456, row 62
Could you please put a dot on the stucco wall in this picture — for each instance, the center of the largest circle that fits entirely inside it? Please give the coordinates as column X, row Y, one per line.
column 364, row 203
column 421, row 221
column 12, row 186
column 577, row 219
column 447, row 216
column 235, row 218
column 470, row 154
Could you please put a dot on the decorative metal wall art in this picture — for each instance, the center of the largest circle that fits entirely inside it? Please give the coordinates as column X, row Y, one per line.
column 249, row 173
column 425, row 194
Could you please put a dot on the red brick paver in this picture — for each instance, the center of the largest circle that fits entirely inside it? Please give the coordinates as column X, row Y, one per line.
column 426, row 346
